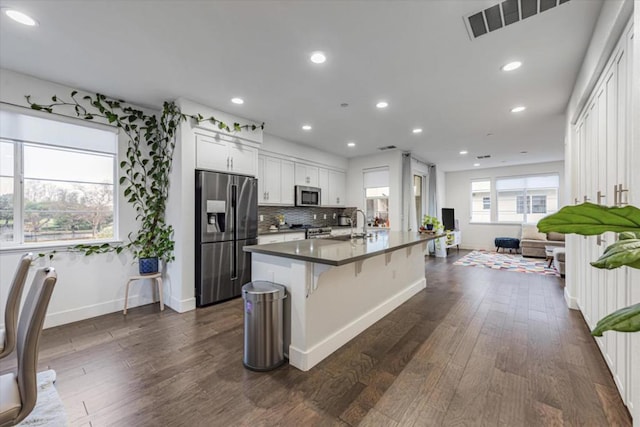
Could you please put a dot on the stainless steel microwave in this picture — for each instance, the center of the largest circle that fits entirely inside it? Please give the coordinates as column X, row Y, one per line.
column 307, row 196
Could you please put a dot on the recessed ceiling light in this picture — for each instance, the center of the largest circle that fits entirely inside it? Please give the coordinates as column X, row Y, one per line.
column 306, row 127
column 518, row 109
column 417, row 130
column 476, row 164
column 464, row 152
column 382, row 104
column 512, row 66
column 351, row 144
column 20, row 17
column 238, row 101
column 318, row 57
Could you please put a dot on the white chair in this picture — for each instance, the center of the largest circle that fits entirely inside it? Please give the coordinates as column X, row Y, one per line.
column 19, row 390
column 8, row 334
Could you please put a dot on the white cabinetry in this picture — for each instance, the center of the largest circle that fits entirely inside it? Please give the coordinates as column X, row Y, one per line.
column 333, row 184
column 279, row 238
column 602, row 162
column 275, row 181
column 337, row 187
column 306, row 175
column 219, row 154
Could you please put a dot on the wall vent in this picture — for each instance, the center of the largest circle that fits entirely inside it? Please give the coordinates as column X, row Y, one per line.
column 388, row 147
column 505, row 13
column 486, row 156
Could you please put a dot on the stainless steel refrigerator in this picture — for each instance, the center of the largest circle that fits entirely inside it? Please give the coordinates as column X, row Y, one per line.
column 226, row 221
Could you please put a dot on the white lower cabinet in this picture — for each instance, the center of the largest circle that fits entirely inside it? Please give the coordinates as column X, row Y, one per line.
column 279, row 238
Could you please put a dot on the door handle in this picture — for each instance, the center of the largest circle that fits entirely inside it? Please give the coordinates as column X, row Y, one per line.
column 575, row 201
column 586, row 199
column 600, row 240
column 600, row 197
column 227, row 162
column 232, row 163
column 615, row 195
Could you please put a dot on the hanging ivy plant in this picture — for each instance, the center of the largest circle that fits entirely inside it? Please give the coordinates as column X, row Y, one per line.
column 146, row 167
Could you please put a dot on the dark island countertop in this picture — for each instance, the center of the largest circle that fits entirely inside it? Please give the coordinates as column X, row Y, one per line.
column 336, row 252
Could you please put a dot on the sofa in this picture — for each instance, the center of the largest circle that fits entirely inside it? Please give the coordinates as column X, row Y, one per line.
column 532, row 242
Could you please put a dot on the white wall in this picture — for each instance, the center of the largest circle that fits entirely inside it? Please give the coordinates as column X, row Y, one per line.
column 272, row 144
column 87, row 286
column 458, row 197
column 180, row 277
column 355, row 184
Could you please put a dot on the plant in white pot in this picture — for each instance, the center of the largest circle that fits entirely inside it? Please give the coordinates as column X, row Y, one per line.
column 145, row 169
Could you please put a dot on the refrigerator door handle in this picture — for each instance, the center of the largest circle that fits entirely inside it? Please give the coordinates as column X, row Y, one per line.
column 234, row 215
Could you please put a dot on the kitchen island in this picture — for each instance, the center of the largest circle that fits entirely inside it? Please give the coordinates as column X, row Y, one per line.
column 337, row 289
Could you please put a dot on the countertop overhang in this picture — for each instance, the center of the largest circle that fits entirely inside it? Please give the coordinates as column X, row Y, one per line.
column 336, row 253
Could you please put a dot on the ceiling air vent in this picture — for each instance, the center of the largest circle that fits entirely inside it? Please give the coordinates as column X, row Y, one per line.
column 505, row 13
column 486, row 156
column 388, row 147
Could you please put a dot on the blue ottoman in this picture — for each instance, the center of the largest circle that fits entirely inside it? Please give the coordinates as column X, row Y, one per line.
column 507, row 243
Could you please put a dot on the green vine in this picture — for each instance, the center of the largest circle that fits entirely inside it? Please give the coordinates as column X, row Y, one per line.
column 146, row 168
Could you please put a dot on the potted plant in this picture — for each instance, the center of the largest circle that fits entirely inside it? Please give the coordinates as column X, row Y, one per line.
column 589, row 219
column 431, row 223
column 145, row 169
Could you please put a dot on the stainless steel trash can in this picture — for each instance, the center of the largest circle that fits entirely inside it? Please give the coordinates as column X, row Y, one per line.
column 263, row 323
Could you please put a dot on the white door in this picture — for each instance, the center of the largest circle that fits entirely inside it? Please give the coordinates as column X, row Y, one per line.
column 337, row 185
column 262, row 192
column 272, row 179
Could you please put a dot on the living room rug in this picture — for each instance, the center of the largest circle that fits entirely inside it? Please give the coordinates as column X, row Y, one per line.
column 49, row 409
column 506, row 262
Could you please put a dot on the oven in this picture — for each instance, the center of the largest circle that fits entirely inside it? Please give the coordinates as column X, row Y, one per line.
column 307, row 196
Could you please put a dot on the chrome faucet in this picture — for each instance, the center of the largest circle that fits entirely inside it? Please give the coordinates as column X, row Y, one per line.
column 354, row 217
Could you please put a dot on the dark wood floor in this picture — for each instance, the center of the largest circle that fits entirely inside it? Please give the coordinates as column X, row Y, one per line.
column 477, row 347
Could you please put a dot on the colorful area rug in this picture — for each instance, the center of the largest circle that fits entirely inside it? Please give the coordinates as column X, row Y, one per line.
column 506, row 262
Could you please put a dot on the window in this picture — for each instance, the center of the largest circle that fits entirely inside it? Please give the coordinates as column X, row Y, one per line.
column 486, row 203
column 376, row 193
column 527, row 199
column 417, row 191
column 481, row 200
column 67, row 189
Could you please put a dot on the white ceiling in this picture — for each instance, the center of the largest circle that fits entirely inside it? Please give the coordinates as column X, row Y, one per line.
column 416, row 55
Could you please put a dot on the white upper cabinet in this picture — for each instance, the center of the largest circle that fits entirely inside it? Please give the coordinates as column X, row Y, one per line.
column 332, row 185
column 275, row 181
column 225, row 156
column 323, row 183
column 306, row 175
column 337, row 188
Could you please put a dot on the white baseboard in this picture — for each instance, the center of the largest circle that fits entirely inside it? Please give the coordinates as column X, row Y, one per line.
column 89, row 311
column 572, row 302
column 182, row 306
column 305, row 360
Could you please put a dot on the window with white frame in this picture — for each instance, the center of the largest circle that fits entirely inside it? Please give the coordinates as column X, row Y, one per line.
column 527, row 199
column 481, row 200
column 57, row 181
column 376, row 193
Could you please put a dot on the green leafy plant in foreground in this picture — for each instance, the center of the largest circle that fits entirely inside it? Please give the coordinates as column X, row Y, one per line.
column 145, row 168
column 589, row 219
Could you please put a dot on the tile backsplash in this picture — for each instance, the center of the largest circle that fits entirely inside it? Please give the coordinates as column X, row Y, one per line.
column 300, row 215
